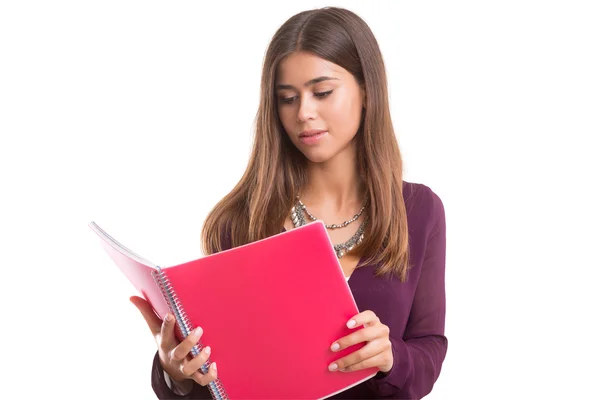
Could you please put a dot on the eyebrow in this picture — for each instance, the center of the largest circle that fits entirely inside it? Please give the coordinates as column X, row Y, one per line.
column 281, row 86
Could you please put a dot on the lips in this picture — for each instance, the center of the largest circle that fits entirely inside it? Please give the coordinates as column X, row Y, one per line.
column 311, row 132
column 312, row 137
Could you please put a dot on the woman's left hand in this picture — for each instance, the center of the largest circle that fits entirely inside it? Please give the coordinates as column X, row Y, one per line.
column 376, row 353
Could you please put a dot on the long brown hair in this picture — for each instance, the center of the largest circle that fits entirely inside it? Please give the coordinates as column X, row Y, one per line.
column 258, row 205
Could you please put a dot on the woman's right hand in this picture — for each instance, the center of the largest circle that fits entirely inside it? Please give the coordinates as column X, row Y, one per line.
column 175, row 358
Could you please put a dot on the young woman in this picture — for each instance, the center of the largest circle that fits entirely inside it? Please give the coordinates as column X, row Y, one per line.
column 325, row 149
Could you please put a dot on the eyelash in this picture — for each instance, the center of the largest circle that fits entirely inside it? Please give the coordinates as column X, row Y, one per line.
column 320, row 95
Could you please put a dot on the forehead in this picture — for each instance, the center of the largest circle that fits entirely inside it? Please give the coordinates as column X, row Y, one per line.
column 302, row 66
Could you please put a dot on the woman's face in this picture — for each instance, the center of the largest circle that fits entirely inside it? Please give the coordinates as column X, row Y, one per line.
column 315, row 94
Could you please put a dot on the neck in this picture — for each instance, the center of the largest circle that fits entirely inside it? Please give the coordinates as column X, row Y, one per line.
column 336, row 183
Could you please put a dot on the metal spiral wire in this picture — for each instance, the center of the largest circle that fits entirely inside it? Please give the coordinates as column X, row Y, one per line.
column 215, row 387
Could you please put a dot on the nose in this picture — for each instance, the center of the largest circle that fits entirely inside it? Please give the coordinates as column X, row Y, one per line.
column 307, row 109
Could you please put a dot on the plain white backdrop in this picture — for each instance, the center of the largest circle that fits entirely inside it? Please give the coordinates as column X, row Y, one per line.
column 138, row 115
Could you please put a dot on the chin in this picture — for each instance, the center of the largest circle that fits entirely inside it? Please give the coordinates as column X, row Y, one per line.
column 317, row 155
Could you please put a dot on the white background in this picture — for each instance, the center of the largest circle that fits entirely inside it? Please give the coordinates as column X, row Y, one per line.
column 138, row 115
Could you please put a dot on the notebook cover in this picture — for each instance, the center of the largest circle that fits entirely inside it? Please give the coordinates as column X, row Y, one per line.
column 270, row 311
column 137, row 269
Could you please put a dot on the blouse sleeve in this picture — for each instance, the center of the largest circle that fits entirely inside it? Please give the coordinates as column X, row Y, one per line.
column 163, row 391
column 418, row 356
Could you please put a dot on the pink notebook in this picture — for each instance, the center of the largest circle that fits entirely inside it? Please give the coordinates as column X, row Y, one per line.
column 269, row 310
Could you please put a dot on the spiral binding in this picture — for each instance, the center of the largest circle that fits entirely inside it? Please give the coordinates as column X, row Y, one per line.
column 215, row 387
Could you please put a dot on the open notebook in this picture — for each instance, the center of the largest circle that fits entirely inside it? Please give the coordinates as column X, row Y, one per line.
column 269, row 310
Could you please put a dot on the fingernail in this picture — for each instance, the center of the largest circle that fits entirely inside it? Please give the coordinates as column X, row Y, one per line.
column 198, row 331
column 207, row 349
column 335, row 347
column 351, row 323
column 168, row 317
column 333, row 367
column 214, row 364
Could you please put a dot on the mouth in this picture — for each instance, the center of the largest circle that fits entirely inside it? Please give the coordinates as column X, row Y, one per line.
column 311, row 133
column 312, row 137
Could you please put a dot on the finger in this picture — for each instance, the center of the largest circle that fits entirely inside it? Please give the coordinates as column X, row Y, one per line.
column 205, row 379
column 194, row 363
column 167, row 340
column 148, row 313
column 372, row 349
column 375, row 361
column 181, row 351
column 366, row 318
column 359, row 336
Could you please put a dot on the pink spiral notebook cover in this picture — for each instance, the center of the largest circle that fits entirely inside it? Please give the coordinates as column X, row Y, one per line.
column 269, row 310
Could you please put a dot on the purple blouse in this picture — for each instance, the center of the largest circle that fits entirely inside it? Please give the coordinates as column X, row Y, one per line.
column 414, row 311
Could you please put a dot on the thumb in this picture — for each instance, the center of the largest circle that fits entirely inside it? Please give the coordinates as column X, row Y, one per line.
column 154, row 323
column 167, row 332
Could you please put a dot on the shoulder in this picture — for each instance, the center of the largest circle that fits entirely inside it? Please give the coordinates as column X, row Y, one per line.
column 423, row 205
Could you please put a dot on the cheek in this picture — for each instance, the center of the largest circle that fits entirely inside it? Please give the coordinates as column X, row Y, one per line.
column 343, row 116
column 287, row 118
column 289, row 114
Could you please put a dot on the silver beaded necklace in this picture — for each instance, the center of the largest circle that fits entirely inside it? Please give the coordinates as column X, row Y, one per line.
column 340, row 249
column 334, row 226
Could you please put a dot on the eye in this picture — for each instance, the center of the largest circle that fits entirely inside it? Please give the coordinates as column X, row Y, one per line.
column 323, row 94
column 290, row 100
